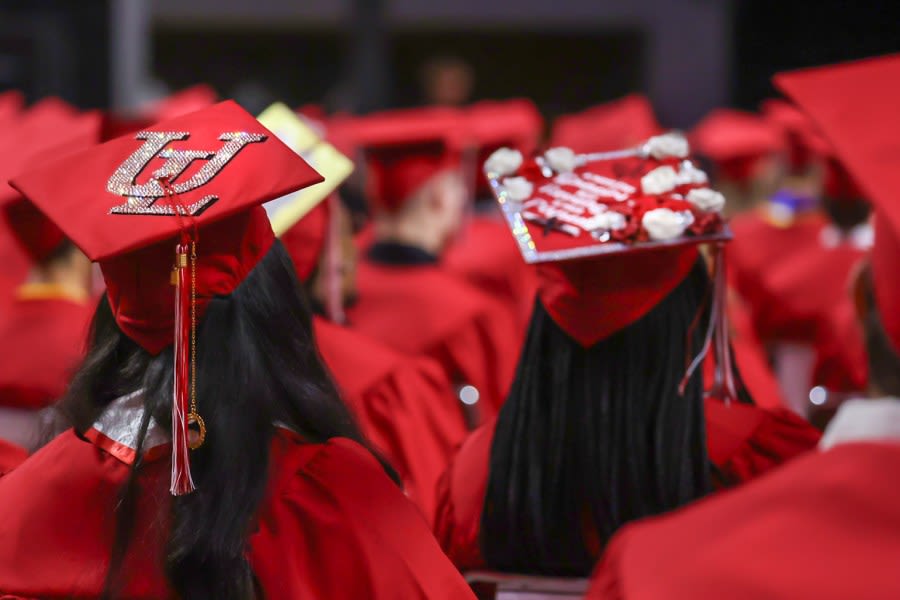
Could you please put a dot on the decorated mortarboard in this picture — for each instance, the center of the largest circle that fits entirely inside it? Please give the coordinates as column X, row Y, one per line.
column 404, row 149
column 35, row 233
column 611, row 233
column 618, row 124
column 174, row 216
column 854, row 105
column 301, row 137
column 735, row 141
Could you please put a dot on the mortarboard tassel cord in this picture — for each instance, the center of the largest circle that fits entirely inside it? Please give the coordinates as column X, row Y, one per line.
column 184, row 393
column 716, row 336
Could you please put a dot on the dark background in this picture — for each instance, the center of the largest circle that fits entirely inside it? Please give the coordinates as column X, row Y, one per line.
column 63, row 47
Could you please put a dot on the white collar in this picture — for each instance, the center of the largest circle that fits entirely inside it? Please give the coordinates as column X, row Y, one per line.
column 864, row 421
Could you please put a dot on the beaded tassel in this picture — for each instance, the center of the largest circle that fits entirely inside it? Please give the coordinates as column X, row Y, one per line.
column 181, row 482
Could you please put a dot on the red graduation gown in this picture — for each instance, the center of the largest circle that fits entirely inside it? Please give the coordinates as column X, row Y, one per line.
column 488, row 257
column 43, row 339
column 404, row 405
column 423, row 310
column 11, row 456
column 743, row 442
column 332, row 525
column 823, row 527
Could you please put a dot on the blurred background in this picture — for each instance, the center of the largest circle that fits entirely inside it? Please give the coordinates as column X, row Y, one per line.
column 688, row 56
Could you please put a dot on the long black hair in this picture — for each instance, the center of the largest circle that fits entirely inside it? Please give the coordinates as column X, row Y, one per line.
column 257, row 365
column 590, row 439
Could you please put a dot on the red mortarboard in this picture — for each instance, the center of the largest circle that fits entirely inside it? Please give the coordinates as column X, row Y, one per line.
column 404, row 149
column 613, row 233
column 196, row 182
column 495, row 124
column 305, row 241
column 735, row 140
column 11, row 103
column 36, row 234
column 855, row 105
column 805, row 144
column 619, row 124
column 182, row 102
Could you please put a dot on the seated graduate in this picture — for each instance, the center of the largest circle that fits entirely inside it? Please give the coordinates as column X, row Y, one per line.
column 406, row 299
column 404, row 403
column 44, row 329
column 210, row 455
column 605, row 420
column 826, row 525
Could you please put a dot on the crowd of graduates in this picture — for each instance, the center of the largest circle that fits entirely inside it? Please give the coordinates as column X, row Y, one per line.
column 444, row 352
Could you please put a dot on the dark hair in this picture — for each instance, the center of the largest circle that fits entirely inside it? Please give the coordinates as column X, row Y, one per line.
column 590, row 439
column 884, row 362
column 257, row 365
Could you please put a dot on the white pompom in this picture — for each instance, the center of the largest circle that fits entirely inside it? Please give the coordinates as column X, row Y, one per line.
column 518, row 189
column 663, row 224
column 504, row 161
column 659, row 181
column 706, row 199
column 561, row 159
column 668, row 145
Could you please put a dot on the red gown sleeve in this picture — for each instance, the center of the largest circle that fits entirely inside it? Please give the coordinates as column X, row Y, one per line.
column 460, row 499
column 336, row 527
column 746, row 441
column 10, row 456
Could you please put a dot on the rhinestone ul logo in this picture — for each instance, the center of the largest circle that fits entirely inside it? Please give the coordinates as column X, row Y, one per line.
column 142, row 199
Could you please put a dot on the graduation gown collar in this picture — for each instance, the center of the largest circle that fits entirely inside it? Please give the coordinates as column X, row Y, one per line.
column 876, row 420
column 396, row 253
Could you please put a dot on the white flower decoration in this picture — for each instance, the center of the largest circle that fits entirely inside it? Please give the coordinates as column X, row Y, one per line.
column 665, row 224
column 561, row 159
column 518, row 188
column 504, row 161
column 668, row 145
column 659, row 181
column 610, row 220
column 706, row 199
column 689, row 173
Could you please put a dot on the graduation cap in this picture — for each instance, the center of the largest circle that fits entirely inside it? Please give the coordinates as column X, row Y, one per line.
column 735, row 141
column 405, row 149
column 854, row 106
column 805, row 144
column 303, row 139
column 618, row 124
column 35, row 144
column 178, row 204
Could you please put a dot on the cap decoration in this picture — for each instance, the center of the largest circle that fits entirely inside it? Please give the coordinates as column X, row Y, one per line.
column 649, row 204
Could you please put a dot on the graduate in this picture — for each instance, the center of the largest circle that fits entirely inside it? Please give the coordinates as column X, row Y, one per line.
column 825, row 526
column 406, row 300
column 483, row 253
column 404, row 404
column 606, row 420
column 43, row 331
column 209, row 454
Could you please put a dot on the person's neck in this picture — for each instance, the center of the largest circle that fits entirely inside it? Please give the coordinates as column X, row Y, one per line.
column 69, row 282
column 409, row 233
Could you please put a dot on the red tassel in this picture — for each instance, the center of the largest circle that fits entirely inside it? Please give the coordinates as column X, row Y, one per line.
column 181, row 482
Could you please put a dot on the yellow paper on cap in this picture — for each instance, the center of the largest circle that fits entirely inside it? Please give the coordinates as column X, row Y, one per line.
column 303, row 139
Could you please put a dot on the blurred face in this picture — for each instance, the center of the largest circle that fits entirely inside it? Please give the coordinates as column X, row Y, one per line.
column 450, row 84
column 448, row 205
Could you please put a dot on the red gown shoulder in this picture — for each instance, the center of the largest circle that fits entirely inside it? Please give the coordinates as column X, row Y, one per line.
column 43, row 340
column 404, row 405
column 422, row 309
column 743, row 442
column 823, row 527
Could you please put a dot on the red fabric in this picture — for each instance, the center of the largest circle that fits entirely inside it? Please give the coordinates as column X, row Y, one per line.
column 422, row 310
column 43, row 341
column 394, row 176
column 332, row 526
column 486, row 256
column 182, row 102
column 11, row 104
column 743, row 441
column 11, row 456
column 626, row 286
column 137, row 251
column 305, row 240
column 36, row 234
column 841, row 360
column 615, row 125
column 735, row 141
column 404, row 405
column 823, row 527
column 844, row 101
column 496, row 124
column 806, row 146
